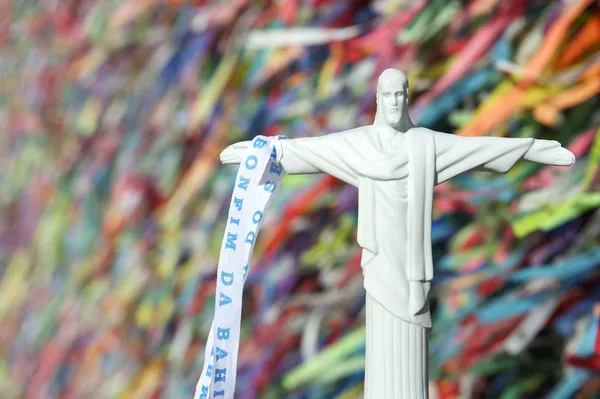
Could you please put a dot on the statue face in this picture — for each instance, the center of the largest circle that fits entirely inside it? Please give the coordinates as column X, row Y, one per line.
column 393, row 101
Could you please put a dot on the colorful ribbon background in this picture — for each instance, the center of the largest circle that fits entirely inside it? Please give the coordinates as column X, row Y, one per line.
column 114, row 202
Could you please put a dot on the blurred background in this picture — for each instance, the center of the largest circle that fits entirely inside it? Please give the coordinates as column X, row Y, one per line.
column 113, row 199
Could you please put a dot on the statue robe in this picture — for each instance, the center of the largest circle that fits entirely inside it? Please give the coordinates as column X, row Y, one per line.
column 362, row 157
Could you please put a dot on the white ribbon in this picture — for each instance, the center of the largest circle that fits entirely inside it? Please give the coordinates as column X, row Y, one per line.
column 258, row 178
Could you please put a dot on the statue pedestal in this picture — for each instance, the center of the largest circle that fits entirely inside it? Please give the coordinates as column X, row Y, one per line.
column 396, row 356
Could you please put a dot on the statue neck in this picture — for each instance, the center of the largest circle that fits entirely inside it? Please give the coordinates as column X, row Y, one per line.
column 401, row 128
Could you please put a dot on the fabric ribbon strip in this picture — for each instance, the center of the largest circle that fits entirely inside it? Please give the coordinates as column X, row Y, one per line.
column 258, row 178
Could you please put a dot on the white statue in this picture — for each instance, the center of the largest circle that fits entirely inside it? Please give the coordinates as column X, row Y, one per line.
column 395, row 166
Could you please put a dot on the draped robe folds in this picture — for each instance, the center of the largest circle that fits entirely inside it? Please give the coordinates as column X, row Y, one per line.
column 357, row 157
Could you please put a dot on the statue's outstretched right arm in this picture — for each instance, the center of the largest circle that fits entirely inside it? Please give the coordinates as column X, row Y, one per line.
column 292, row 164
column 305, row 155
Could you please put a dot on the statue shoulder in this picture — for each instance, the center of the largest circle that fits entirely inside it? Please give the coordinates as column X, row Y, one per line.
column 438, row 137
column 355, row 134
column 421, row 135
column 424, row 131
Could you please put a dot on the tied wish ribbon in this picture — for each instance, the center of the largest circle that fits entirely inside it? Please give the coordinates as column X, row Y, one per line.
column 258, row 178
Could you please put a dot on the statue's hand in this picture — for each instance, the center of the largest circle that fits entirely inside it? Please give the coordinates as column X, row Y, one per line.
column 549, row 152
column 233, row 153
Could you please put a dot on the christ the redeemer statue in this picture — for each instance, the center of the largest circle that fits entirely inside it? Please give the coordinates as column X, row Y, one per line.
column 395, row 165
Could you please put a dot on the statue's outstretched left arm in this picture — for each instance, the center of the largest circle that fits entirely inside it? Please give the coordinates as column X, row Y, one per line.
column 457, row 154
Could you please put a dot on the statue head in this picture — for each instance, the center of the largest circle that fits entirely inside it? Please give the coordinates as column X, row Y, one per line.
column 392, row 99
